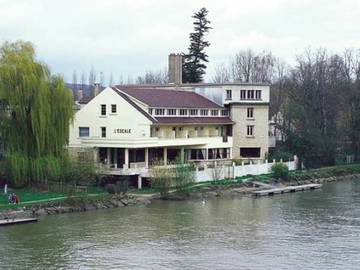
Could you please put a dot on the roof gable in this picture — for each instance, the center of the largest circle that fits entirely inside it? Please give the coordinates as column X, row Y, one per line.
column 169, row 98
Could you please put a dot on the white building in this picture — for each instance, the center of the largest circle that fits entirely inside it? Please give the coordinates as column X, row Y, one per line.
column 128, row 128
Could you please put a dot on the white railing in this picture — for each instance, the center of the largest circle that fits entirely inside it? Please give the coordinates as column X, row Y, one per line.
column 208, row 173
column 233, row 171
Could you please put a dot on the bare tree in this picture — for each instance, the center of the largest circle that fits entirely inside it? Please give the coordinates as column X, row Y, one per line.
column 83, row 80
column 102, row 78
column 248, row 66
column 111, row 80
column 74, row 80
column 222, row 74
column 153, row 77
column 92, row 76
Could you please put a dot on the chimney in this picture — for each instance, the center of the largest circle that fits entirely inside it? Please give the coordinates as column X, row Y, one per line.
column 175, row 68
column 96, row 89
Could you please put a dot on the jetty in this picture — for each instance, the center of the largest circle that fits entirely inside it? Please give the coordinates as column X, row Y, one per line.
column 273, row 191
column 12, row 221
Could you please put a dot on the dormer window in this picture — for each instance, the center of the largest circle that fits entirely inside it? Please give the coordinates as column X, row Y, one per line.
column 224, row 112
column 193, row 112
column 159, row 111
column 171, row 111
column 183, row 111
column 150, row 111
column 204, row 112
column 214, row 112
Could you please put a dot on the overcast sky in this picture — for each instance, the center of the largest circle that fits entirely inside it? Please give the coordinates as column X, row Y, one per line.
column 129, row 37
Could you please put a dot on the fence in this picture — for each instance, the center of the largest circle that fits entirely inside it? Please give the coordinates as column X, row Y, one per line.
column 233, row 171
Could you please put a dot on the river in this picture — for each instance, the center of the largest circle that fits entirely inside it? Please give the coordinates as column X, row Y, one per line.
column 317, row 229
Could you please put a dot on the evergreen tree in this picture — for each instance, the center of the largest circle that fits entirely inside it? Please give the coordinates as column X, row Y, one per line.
column 34, row 121
column 193, row 62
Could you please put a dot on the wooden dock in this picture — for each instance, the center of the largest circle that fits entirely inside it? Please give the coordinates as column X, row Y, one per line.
column 273, row 191
column 12, row 221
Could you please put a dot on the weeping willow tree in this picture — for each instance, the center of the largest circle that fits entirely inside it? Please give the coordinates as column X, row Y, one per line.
column 36, row 109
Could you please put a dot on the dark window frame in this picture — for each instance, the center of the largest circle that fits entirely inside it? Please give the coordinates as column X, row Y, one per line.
column 103, row 132
column 103, row 109
column 81, row 134
column 113, row 108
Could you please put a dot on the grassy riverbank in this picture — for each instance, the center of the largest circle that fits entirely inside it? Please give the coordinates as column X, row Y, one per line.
column 32, row 197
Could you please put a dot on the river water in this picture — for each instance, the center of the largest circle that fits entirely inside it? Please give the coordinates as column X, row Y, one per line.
column 307, row 230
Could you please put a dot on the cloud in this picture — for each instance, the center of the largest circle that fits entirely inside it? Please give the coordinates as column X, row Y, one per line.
column 130, row 36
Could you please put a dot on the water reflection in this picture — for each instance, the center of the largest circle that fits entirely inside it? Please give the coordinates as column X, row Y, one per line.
column 311, row 230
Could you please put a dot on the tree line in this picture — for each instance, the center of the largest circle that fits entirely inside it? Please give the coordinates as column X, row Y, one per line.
column 315, row 102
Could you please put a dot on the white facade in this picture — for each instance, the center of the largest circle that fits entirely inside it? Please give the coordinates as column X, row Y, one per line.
column 125, row 133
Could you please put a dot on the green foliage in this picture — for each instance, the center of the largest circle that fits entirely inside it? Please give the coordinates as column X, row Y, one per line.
column 161, row 178
column 110, row 188
column 278, row 153
column 35, row 112
column 184, row 174
column 193, row 61
column 82, row 173
column 237, row 161
column 280, row 171
column 122, row 186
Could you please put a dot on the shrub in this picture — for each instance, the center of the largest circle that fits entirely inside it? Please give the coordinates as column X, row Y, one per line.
column 161, row 178
column 110, row 188
column 122, row 186
column 237, row 161
column 280, row 171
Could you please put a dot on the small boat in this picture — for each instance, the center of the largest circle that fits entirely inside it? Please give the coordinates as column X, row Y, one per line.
column 12, row 221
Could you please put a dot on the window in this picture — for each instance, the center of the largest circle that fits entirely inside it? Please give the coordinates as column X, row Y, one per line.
column 250, row 131
column 173, row 128
column 183, row 111
column 228, row 94
column 84, row 132
column 250, row 112
column 258, row 94
column 150, row 111
column 103, row 132
column 214, row 112
column 250, row 94
column 193, row 112
column 159, row 111
column 103, row 109
column 242, row 94
column 113, row 108
column 171, row 111
column 251, row 152
column 204, row 112
column 224, row 112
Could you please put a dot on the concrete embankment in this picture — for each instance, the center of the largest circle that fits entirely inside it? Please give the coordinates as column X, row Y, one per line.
column 73, row 205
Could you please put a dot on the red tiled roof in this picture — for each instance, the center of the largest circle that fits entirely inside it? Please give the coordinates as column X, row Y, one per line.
column 85, row 99
column 193, row 120
column 132, row 103
column 169, row 98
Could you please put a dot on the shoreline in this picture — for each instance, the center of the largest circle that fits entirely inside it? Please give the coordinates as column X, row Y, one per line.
column 76, row 205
